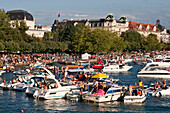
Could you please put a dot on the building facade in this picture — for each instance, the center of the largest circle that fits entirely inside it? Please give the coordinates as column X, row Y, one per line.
column 119, row 26
column 108, row 23
column 146, row 29
column 22, row 15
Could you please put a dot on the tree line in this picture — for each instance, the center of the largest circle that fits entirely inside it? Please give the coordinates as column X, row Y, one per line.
column 78, row 38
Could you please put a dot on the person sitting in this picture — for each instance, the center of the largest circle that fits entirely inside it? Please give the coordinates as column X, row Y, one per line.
column 156, row 85
column 164, row 85
column 56, row 85
column 46, row 86
column 140, row 83
column 40, row 85
column 13, row 81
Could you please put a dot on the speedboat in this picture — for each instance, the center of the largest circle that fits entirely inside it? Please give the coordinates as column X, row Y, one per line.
column 2, row 71
column 159, row 91
column 52, row 92
column 117, row 68
column 136, row 96
column 112, row 94
column 76, row 94
column 155, row 70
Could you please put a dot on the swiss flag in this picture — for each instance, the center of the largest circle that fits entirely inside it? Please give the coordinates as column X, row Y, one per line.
column 59, row 15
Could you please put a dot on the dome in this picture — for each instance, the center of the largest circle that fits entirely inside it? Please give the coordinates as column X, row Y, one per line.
column 123, row 19
column 110, row 17
column 20, row 15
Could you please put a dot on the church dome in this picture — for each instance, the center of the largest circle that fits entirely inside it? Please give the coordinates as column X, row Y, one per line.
column 20, row 15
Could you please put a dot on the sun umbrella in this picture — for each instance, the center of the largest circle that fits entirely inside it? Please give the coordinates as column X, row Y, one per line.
column 55, row 64
column 99, row 75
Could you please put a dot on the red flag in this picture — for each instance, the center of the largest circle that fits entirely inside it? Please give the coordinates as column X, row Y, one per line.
column 59, row 15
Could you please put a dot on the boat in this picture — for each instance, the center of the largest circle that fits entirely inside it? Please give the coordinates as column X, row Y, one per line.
column 75, row 94
column 135, row 99
column 117, row 68
column 162, row 92
column 53, row 91
column 155, row 70
column 2, row 71
column 112, row 94
column 158, row 91
column 136, row 96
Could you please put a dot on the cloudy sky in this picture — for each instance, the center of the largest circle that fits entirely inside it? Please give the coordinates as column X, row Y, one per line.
column 46, row 11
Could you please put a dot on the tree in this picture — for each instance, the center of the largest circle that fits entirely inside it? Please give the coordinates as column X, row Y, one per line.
column 51, row 45
column 12, row 46
column 133, row 38
column 4, row 20
column 22, row 27
column 48, row 36
column 37, row 46
column 152, row 43
column 2, row 47
column 25, row 46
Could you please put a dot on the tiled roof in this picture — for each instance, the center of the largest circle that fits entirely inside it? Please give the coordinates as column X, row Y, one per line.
column 136, row 26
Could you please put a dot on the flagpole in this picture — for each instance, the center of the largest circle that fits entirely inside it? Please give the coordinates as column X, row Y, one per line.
column 59, row 17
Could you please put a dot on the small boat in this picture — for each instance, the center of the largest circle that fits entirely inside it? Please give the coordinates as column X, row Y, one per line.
column 2, row 71
column 137, row 96
column 117, row 68
column 76, row 94
column 159, row 91
column 52, row 92
column 19, row 87
column 155, row 70
column 112, row 94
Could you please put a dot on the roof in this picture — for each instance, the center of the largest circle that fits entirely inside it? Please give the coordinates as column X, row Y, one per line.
column 20, row 15
column 136, row 25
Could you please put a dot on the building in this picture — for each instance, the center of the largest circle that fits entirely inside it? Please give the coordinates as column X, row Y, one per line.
column 108, row 23
column 146, row 29
column 22, row 15
column 66, row 23
column 119, row 26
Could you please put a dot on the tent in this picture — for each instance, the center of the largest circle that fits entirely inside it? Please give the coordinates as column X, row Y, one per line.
column 85, row 56
column 99, row 75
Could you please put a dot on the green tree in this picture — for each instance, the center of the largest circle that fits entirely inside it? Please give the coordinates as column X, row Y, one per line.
column 12, row 46
column 48, row 36
column 37, row 47
column 134, row 38
column 22, row 27
column 4, row 20
column 152, row 43
column 51, row 45
column 25, row 46
column 2, row 47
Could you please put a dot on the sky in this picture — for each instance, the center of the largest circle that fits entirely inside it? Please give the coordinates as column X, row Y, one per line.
column 46, row 11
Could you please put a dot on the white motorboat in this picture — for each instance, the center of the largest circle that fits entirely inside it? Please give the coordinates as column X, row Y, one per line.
column 155, row 70
column 75, row 94
column 117, row 68
column 2, row 71
column 162, row 92
column 19, row 86
column 112, row 94
column 159, row 91
column 135, row 99
column 135, row 95
column 36, row 79
column 52, row 92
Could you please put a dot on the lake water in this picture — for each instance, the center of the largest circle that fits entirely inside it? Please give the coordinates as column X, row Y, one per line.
column 13, row 102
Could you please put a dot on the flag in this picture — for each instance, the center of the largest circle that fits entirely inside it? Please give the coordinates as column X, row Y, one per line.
column 59, row 15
